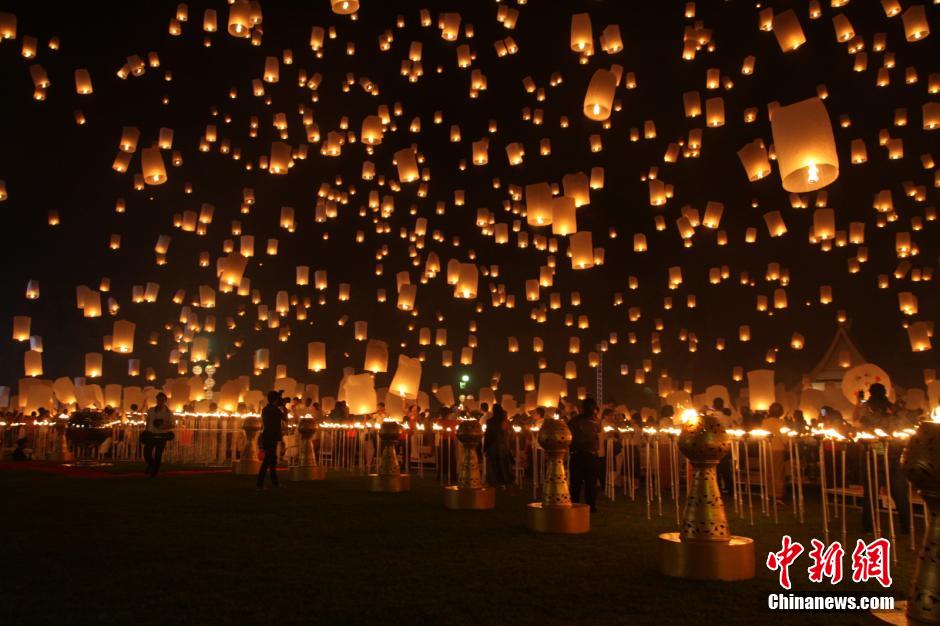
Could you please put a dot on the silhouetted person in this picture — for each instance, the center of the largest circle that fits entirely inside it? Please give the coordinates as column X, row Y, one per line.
column 496, row 448
column 585, row 439
column 271, row 417
column 879, row 412
column 21, row 453
column 160, row 423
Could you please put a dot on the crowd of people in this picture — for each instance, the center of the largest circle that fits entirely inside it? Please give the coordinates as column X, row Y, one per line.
column 591, row 426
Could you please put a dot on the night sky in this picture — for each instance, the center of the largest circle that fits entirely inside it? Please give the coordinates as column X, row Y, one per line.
column 50, row 163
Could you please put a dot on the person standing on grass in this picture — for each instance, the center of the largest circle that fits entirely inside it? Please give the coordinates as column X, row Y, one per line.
column 160, row 423
column 272, row 417
column 585, row 441
column 496, row 449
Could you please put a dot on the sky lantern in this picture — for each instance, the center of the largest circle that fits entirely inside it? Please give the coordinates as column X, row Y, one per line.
column 407, row 379
column 467, row 281
column 93, row 365
column 7, row 26
column 787, row 30
column 281, row 158
column 316, row 356
column 582, row 38
column 407, row 165
column 804, row 146
column 581, row 249
column 564, row 216
column 552, row 387
column 361, row 398
column 32, row 363
column 239, row 19
column 122, row 336
column 538, row 201
column 21, row 328
column 919, row 335
column 754, row 159
column 376, row 357
column 152, row 168
column 915, row 23
column 599, row 99
column 761, row 390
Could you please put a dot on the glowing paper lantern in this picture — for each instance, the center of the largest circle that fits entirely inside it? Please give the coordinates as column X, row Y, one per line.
column 581, row 247
column 552, row 387
column 122, row 336
column 915, row 23
column 376, row 358
column 599, row 99
column 93, row 364
column 407, row 165
column 344, row 7
column 582, row 38
column 787, row 30
column 153, row 169
column 32, row 363
column 761, row 390
column 407, row 378
column 804, row 146
column 919, row 335
column 239, row 19
column 754, row 159
column 21, row 324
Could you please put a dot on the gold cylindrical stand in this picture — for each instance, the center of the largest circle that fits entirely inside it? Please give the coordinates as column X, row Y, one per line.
column 248, row 463
column 389, row 478
column 61, row 453
column 307, row 468
column 469, row 492
column 556, row 513
column 704, row 548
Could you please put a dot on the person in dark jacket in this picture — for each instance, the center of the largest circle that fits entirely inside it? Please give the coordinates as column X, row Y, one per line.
column 585, row 439
column 271, row 417
column 879, row 412
column 496, row 449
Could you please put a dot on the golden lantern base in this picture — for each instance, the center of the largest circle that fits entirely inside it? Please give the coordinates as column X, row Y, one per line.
column 463, row 498
column 307, row 472
column 707, row 560
column 393, row 483
column 61, row 457
column 246, row 467
column 568, row 520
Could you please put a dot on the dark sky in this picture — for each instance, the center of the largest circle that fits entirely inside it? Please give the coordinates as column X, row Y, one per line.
column 48, row 162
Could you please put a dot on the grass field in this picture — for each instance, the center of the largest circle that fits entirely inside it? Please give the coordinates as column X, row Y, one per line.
column 210, row 549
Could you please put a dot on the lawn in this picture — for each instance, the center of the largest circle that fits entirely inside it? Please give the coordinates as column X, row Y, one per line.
column 210, row 549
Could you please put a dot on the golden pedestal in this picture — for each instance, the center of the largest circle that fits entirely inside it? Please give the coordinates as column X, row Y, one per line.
column 307, row 472
column 307, row 468
column 61, row 453
column 569, row 520
column 462, row 498
column 389, row 477
column 555, row 513
column 707, row 560
column 246, row 467
column 393, row 483
column 704, row 548
column 469, row 492
column 248, row 463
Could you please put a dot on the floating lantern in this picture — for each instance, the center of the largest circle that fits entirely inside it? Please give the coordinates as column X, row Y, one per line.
column 915, row 23
column 599, row 99
column 153, row 169
column 804, row 146
column 787, row 30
